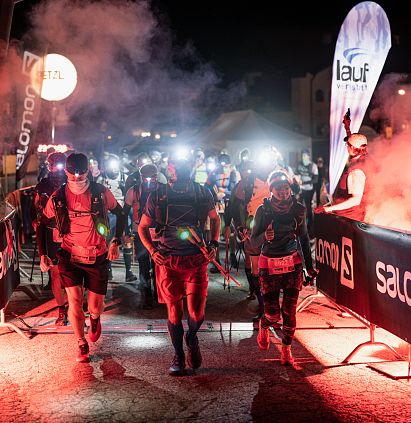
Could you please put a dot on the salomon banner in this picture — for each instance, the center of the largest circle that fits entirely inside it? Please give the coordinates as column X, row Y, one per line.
column 362, row 47
column 28, row 103
column 367, row 269
column 9, row 265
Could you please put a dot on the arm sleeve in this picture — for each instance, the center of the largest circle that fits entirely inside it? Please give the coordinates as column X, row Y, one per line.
column 314, row 171
column 257, row 237
column 48, row 214
column 116, row 209
column 128, row 201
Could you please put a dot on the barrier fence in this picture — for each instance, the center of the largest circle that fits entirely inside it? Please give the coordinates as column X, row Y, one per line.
column 367, row 269
column 9, row 265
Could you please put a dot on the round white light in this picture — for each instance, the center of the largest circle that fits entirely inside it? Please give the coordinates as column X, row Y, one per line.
column 59, row 77
column 401, row 91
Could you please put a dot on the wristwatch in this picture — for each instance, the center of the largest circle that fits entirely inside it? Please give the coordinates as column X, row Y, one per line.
column 213, row 243
column 116, row 241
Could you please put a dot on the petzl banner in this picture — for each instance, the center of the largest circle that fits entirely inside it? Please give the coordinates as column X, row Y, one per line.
column 362, row 47
column 28, row 100
column 366, row 268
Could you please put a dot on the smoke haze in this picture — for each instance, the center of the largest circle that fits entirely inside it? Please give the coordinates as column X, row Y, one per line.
column 130, row 73
column 390, row 168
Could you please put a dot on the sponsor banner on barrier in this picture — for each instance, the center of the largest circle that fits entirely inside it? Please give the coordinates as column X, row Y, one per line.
column 367, row 269
column 9, row 265
column 360, row 52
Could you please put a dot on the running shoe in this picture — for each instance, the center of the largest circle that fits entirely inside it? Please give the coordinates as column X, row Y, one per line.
column 194, row 358
column 62, row 319
column 95, row 329
column 131, row 277
column 177, row 366
column 263, row 337
column 287, row 358
column 83, row 353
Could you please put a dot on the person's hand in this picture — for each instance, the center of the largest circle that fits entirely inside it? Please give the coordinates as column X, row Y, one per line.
column 158, row 257
column 128, row 239
column 269, row 232
column 241, row 233
column 113, row 252
column 309, row 277
column 212, row 252
column 313, row 273
column 45, row 263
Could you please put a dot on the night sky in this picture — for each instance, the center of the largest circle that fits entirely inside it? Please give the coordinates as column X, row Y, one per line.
column 239, row 37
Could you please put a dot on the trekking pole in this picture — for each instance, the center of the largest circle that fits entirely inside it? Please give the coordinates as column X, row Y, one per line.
column 195, row 239
column 32, row 262
column 226, row 266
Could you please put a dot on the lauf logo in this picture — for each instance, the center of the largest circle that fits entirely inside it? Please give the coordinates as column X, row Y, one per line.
column 347, row 263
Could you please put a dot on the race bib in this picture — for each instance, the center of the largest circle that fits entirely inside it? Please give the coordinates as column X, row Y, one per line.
column 278, row 265
column 83, row 255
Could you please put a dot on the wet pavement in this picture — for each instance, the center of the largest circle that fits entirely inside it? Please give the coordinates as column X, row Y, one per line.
column 127, row 379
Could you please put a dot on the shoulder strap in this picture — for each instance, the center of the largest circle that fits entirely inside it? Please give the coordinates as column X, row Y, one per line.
column 248, row 191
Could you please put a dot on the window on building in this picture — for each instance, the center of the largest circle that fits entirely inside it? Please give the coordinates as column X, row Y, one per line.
column 319, row 96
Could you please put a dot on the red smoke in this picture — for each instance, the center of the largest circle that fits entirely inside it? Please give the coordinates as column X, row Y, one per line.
column 389, row 182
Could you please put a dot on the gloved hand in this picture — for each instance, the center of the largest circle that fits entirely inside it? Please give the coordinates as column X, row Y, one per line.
column 113, row 252
column 45, row 263
column 128, row 239
column 241, row 233
column 309, row 276
column 212, row 250
column 269, row 233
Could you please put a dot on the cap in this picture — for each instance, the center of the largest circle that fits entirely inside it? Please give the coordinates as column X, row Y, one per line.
column 357, row 140
column 224, row 159
column 77, row 163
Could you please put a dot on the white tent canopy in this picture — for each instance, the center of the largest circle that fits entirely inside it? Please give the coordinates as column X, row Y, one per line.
column 235, row 131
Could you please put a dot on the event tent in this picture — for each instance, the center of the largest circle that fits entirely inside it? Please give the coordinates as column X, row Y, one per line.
column 247, row 129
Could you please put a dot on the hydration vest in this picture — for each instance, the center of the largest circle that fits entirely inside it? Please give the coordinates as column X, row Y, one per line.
column 98, row 208
column 201, row 174
column 307, row 175
column 142, row 193
column 186, row 209
column 286, row 227
column 43, row 190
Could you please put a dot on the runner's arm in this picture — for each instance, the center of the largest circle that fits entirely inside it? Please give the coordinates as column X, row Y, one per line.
column 144, row 233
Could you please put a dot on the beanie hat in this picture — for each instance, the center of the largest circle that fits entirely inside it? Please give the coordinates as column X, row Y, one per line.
column 278, row 176
column 77, row 163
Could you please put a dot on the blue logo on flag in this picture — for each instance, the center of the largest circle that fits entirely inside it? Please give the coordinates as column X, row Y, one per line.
column 351, row 53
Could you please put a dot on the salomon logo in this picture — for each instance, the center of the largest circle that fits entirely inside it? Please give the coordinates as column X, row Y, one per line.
column 347, row 265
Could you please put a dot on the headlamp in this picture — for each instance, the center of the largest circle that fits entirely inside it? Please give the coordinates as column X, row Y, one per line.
column 114, row 165
column 211, row 167
column 182, row 153
column 60, row 166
